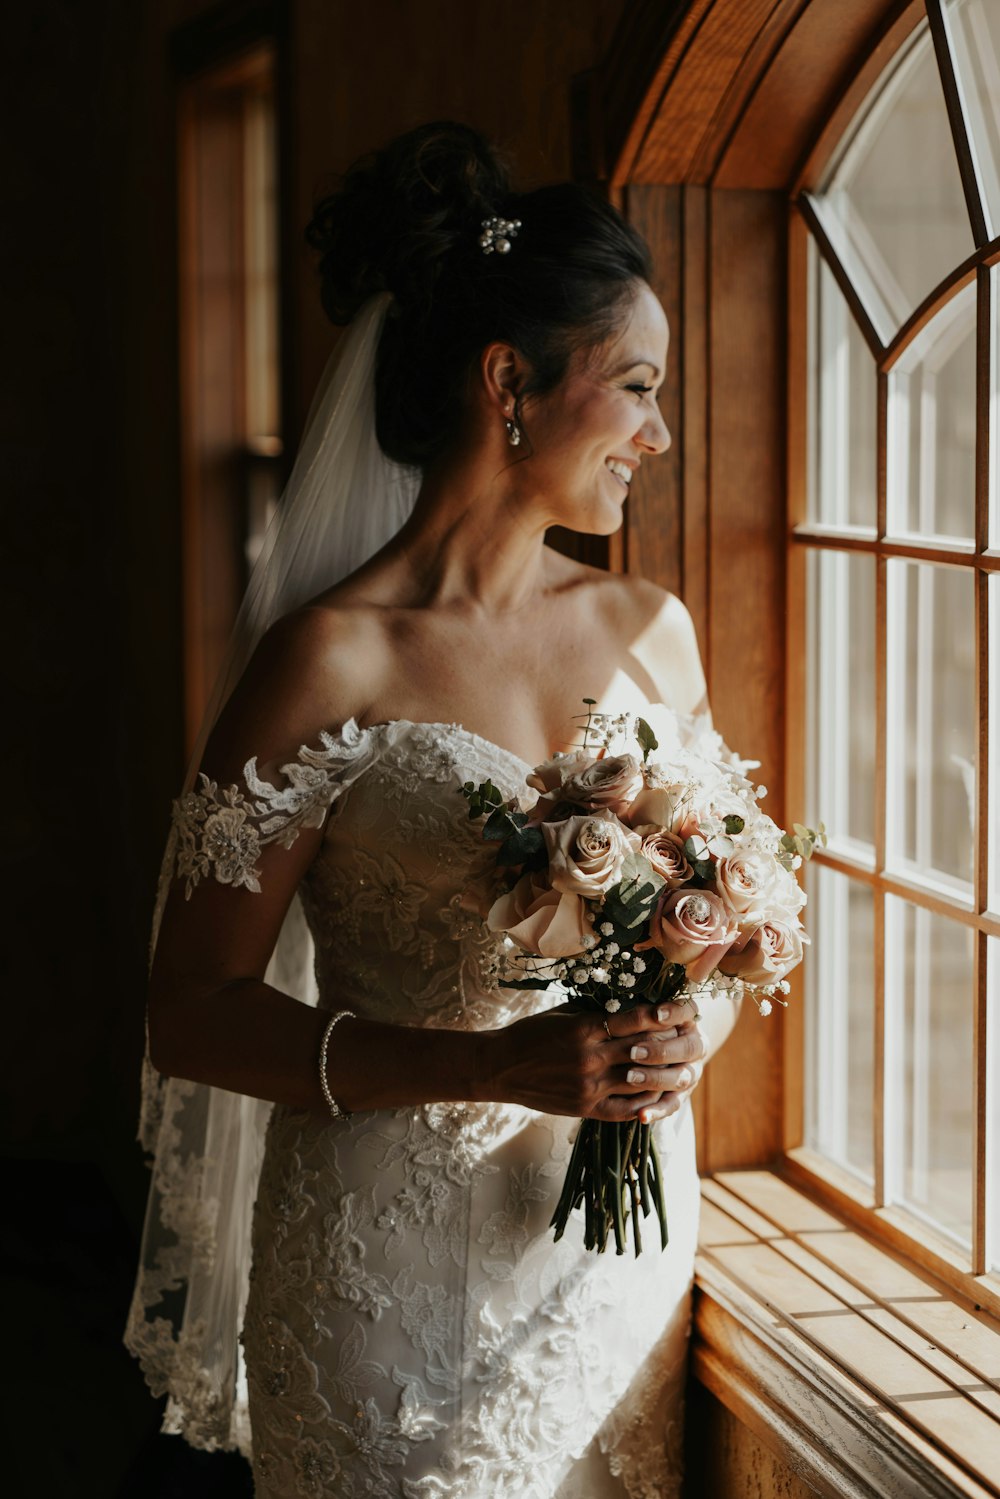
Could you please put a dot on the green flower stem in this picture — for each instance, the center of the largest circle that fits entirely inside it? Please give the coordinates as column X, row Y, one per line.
column 657, row 1185
column 589, row 1228
column 646, row 1139
column 628, row 1131
column 574, row 1184
column 636, row 1231
column 614, row 1173
column 613, row 1181
column 596, row 1189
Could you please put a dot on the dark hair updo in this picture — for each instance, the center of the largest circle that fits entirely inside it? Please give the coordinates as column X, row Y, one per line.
column 408, row 220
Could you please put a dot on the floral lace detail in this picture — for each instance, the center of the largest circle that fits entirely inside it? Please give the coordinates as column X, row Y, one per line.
column 222, row 833
column 412, row 1331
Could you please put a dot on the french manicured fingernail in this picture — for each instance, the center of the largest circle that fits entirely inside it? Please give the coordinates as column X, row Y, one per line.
column 633, row 1076
column 664, row 1013
column 683, row 1078
column 667, row 1035
column 638, row 1054
column 650, row 1116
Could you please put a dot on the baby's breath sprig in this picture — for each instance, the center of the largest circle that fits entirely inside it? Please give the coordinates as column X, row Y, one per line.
column 610, row 972
column 602, row 730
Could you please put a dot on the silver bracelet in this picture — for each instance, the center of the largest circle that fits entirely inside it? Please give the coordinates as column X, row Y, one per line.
column 337, row 1111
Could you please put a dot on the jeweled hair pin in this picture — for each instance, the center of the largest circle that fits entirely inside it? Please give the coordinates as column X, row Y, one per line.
column 497, row 235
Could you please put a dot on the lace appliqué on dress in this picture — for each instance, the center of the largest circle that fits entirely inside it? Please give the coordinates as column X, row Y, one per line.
column 221, row 834
column 195, row 1253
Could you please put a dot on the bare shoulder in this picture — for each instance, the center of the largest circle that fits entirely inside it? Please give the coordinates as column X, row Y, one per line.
column 313, row 670
column 657, row 631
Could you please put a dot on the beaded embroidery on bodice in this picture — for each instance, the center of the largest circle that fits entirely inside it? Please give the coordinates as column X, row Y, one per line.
column 384, row 898
column 412, row 1329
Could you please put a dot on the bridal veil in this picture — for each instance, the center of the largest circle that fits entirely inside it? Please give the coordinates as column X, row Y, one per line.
column 344, row 500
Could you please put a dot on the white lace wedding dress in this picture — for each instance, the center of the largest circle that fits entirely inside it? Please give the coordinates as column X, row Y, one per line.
column 412, row 1329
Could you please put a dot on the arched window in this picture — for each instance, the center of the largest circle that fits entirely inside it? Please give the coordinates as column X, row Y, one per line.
column 900, row 549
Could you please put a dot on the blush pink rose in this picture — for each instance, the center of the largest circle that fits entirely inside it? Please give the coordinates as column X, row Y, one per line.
column 550, row 775
column 764, row 954
column 665, row 853
column 586, row 853
column 551, row 923
column 692, row 927
column 612, row 783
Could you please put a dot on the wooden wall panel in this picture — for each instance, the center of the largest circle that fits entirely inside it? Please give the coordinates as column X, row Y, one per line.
column 708, row 521
column 726, row 1460
column 364, row 73
column 746, row 528
column 668, row 505
column 654, row 523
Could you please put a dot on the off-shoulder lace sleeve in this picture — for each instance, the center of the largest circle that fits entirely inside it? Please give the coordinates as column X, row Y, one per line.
column 221, row 831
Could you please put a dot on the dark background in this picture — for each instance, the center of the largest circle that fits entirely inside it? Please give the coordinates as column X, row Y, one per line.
column 91, row 599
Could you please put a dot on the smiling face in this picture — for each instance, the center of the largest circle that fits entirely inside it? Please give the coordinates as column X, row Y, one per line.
column 589, row 435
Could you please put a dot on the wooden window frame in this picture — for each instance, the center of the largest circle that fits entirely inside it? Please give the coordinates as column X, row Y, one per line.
column 899, row 1230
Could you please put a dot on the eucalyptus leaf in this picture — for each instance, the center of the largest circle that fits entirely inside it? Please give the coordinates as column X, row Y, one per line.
column 636, row 866
column 647, row 739
column 520, row 846
column 499, row 825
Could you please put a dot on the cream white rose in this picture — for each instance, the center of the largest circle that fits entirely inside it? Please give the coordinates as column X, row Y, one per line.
column 661, row 806
column 746, row 882
column 586, row 853
column 788, row 896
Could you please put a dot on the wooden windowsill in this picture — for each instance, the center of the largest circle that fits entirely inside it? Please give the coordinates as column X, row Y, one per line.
column 866, row 1376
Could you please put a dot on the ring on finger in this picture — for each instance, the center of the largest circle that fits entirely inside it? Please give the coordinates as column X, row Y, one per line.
column 608, row 1029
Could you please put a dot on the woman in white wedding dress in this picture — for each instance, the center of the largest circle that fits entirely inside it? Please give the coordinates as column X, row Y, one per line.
column 411, row 1328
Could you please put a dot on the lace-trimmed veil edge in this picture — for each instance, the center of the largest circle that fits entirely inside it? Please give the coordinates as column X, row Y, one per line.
column 344, row 500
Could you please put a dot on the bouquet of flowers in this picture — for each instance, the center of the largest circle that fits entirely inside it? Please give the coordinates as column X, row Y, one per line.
column 639, row 876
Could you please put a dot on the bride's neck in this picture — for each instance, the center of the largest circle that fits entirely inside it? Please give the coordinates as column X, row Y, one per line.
column 472, row 541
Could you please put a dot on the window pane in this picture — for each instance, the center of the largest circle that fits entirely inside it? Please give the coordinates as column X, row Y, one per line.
column 894, row 205
column 993, row 769
column 993, row 1104
column 839, row 1024
column 931, row 730
column 843, row 409
column 841, row 696
column 994, row 418
column 932, row 427
column 929, row 1092
column 974, row 31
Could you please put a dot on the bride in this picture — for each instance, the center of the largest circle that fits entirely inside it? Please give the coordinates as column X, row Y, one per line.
column 409, row 1326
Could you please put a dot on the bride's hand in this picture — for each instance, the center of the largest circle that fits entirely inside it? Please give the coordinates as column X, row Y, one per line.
column 637, row 1063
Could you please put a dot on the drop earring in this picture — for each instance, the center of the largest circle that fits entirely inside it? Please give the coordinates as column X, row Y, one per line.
column 513, row 432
